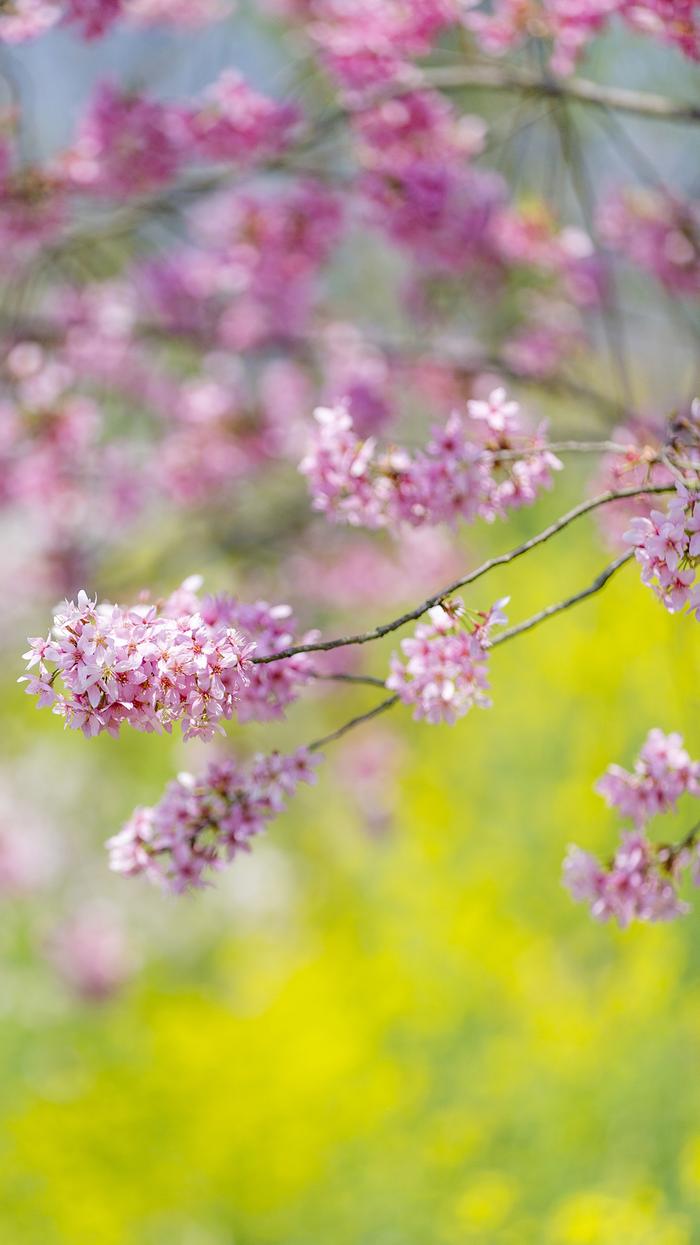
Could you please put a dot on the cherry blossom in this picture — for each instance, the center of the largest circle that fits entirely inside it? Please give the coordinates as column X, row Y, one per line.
column 662, row 773
column 446, row 671
column 667, row 547
column 202, row 823
column 478, row 465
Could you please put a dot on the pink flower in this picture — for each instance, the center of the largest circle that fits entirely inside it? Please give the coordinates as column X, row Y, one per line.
column 636, row 887
column 90, row 952
column 186, row 659
column 446, row 671
column 658, row 232
column 662, row 773
column 481, row 464
column 667, row 547
column 235, row 122
column 201, row 824
column 127, row 144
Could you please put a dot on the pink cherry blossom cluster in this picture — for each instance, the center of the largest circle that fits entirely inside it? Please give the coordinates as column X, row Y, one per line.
column 639, row 885
column 368, row 44
column 638, row 465
column 201, row 824
column 419, row 184
column 90, row 952
column 26, row 19
column 236, row 123
column 270, row 687
column 641, row 881
column 184, row 659
column 662, row 773
column 667, row 547
column 481, row 464
column 144, row 666
column 250, row 275
column 570, row 25
column 130, row 144
column 658, row 232
column 446, row 671
column 530, row 236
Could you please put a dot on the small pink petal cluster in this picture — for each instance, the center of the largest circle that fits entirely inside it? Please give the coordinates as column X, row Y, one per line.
column 572, row 24
column 368, row 44
column 250, row 276
column 142, row 666
column 446, row 671
column 423, row 189
column 658, row 232
column 130, row 144
column 662, row 773
column 183, row 660
column 27, row 19
column 127, row 144
column 667, row 547
column 639, row 885
column 237, row 123
column 270, row 687
column 530, row 235
column 202, row 823
column 633, row 468
column 90, row 952
column 641, row 881
column 478, row 465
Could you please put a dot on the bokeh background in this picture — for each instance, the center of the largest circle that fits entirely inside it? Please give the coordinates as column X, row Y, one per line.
column 389, row 1025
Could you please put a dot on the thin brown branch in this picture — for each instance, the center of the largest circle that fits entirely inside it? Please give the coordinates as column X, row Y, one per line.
column 503, row 559
column 598, row 584
column 368, row 680
column 579, row 90
column 550, row 612
column 358, row 721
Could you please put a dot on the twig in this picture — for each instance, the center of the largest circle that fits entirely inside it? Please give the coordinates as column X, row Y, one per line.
column 598, row 583
column 502, row 559
column 369, row 679
column 571, row 447
column 348, row 726
column 580, row 90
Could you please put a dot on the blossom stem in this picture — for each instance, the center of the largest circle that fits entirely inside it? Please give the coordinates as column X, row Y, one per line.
column 598, row 583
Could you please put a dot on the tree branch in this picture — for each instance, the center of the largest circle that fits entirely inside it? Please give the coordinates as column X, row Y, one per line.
column 598, row 584
column 348, row 726
column 580, row 90
column 503, row 559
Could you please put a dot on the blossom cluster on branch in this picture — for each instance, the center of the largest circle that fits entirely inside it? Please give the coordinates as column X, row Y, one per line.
column 641, row 881
column 202, row 823
column 180, row 296
column 481, row 464
column 446, row 668
column 153, row 665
